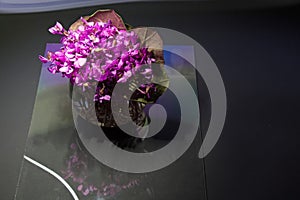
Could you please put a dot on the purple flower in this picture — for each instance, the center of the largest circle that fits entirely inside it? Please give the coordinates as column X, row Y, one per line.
column 86, row 192
column 43, row 59
column 125, row 77
column 98, row 52
column 57, row 29
column 79, row 188
column 106, row 97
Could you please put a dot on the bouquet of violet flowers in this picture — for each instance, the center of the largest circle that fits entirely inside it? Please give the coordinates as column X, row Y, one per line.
column 100, row 51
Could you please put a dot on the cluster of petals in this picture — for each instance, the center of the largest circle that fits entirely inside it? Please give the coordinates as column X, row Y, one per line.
column 98, row 51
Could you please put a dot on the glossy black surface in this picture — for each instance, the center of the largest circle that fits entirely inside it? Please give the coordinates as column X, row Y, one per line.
column 257, row 52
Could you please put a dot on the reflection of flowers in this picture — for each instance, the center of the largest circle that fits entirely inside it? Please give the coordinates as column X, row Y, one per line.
column 78, row 168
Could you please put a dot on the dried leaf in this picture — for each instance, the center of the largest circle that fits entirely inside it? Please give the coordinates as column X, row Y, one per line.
column 150, row 39
column 102, row 16
column 105, row 15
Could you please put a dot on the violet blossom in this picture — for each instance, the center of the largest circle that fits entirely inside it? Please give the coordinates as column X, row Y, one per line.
column 98, row 52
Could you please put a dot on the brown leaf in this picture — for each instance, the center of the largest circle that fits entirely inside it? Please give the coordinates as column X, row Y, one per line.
column 102, row 16
column 150, row 39
column 105, row 15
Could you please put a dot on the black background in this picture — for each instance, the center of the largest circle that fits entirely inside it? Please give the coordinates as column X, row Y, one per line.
column 256, row 47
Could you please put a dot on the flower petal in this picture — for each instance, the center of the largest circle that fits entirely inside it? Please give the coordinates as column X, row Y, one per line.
column 43, row 59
